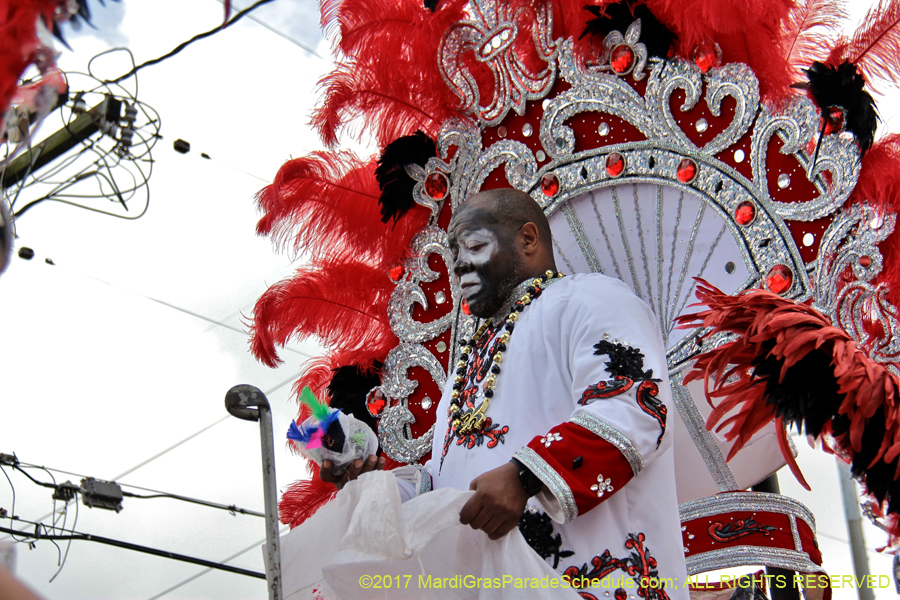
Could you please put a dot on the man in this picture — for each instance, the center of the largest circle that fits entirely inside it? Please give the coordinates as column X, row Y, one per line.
column 557, row 410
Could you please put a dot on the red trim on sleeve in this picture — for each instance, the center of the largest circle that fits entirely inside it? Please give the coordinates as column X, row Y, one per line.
column 580, row 457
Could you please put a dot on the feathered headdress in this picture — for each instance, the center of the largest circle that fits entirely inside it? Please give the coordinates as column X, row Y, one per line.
column 450, row 61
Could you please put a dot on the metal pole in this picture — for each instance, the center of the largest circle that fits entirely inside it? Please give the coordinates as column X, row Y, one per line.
column 248, row 403
column 854, row 528
column 769, row 485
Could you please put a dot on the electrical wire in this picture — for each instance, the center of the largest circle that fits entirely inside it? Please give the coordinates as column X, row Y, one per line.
column 110, row 166
column 157, row 494
column 12, row 510
column 77, row 536
column 280, row 33
column 69, row 543
column 199, row 574
column 185, row 44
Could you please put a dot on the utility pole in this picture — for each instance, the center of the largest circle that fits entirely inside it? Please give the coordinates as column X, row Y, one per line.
column 854, row 528
column 82, row 127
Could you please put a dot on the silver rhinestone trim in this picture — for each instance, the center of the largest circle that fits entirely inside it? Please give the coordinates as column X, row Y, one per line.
column 795, row 534
column 424, row 481
column 583, row 243
column 612, row 435
column 514, row 84
column 553, row 480
column 703, row 439
column 738, row 556
column 745, row 502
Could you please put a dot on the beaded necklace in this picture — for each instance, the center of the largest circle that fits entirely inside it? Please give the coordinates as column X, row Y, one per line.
column 466, row 421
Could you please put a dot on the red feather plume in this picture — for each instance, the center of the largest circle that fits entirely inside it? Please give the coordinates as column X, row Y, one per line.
column 302, row 499
column 327, row 203
column 343, row 304
column 874, row 46
column 308, row 201
column 18, row 41
column 771, row 327
column 748, row 31
column 879, row 184
column 810, row 32
column 395, row 97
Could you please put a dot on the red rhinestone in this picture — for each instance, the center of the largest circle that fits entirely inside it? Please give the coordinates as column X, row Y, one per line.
column 395, row 272
column 549, row 185
column 622, row 59
column 706, row 57
column 745, row 213
column 615, row 164
column 687, row 170
column 865, row 261
column 465, row 306
column 375, row 402
column 779, row 279
column 436, row 185
column 834, row 119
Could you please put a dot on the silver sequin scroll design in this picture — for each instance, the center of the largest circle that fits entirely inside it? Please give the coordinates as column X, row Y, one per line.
column 491, row 36
column 851, row 244
column 394, row 425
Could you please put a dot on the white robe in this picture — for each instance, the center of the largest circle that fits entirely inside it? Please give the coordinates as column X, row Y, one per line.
column 373, row 529
column 549, row 363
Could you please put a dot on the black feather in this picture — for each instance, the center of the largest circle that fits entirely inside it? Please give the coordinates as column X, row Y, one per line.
column 348, row 389
column 807, row 396
column 844, row 86
column 395, row 184
column 879, row 478
column 617, row 17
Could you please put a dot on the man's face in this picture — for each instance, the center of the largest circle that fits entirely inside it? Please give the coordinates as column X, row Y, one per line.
column 484, row 260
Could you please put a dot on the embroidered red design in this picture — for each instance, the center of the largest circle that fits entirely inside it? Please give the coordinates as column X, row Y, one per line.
column 737, row 529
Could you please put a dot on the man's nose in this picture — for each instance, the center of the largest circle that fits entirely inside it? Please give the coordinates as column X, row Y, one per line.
column 461, row 265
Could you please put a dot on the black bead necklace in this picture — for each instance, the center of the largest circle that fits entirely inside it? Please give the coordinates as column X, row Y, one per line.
column 466, row 422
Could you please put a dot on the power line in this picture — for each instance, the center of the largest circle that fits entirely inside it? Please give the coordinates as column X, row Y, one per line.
column 205, row 571
column 293, row 40
column 179, row 309
column 87, row 537
column 18, row 466
column 170, row 448
column 187, row 43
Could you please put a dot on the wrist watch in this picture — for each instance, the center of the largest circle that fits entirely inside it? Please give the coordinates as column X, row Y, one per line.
column 529, row 480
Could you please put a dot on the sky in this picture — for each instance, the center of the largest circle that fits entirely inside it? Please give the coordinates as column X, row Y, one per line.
column 115, row 359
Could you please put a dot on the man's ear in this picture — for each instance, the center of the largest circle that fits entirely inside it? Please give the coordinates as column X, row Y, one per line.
column 529, row 238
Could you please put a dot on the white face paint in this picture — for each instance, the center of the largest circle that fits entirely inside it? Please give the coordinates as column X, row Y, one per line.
column 486, row 269
column 475, row 248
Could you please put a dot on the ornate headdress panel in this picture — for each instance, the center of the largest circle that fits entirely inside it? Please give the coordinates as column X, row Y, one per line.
column 653, row 167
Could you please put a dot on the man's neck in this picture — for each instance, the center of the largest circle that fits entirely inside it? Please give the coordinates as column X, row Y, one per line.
column 516, row 293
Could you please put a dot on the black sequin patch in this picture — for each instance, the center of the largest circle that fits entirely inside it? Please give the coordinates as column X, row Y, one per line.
column 537, row 529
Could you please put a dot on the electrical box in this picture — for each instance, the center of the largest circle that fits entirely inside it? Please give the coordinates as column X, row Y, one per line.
column 101, row 494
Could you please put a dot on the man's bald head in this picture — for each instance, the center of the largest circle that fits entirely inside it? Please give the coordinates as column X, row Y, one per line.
column 498, row 239
column 509, row 209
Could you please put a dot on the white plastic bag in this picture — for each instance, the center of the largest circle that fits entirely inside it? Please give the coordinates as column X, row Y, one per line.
column 366, row 544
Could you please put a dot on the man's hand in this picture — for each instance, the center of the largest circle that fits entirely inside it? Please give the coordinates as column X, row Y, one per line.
column 498, row 503
column 326, row 473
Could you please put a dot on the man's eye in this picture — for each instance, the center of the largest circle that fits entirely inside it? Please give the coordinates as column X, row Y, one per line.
column 476, row 247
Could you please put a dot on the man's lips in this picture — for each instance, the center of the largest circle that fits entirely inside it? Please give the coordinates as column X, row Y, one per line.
column 469, row 288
